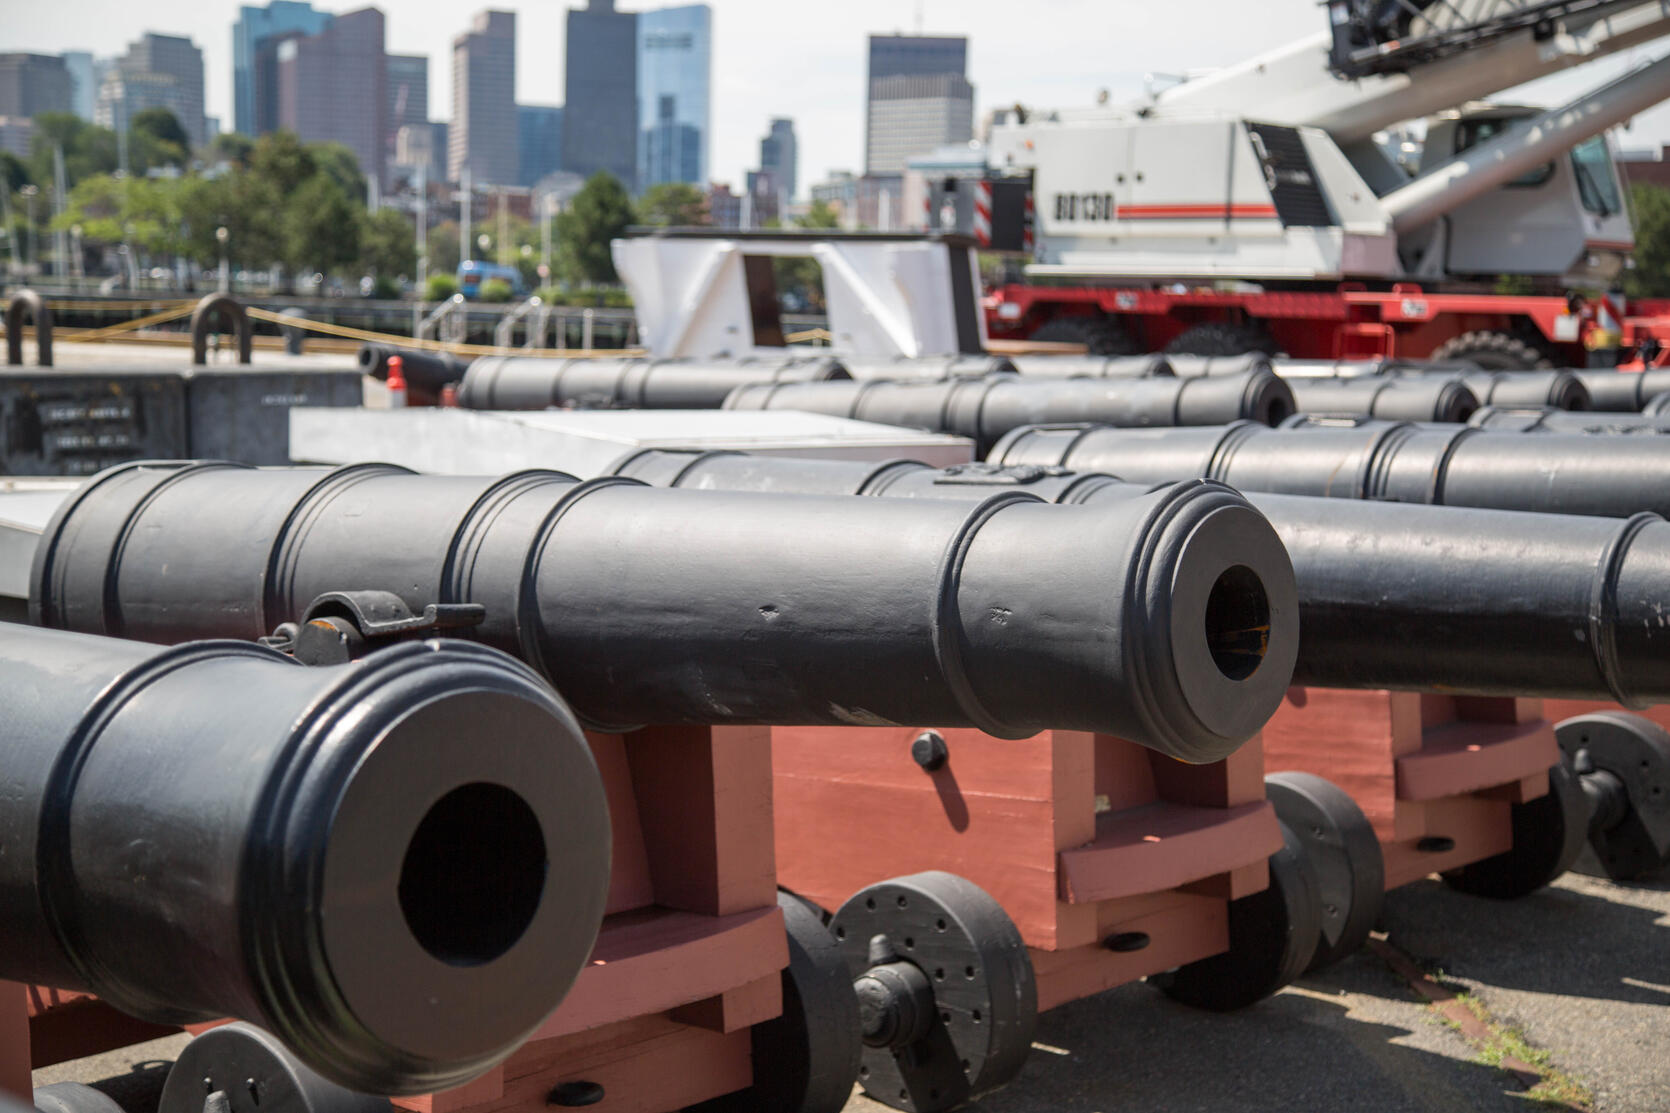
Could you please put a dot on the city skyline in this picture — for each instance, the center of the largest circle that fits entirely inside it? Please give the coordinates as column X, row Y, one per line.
column 775, row 61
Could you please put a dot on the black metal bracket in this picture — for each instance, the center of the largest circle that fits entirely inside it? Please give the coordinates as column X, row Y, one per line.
column 342, row 626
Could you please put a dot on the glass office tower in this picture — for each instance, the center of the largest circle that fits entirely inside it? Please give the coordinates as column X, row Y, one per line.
column 675, row 75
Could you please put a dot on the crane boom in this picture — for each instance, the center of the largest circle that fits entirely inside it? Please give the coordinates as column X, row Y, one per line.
column 1295, row 85
column 1394, row 36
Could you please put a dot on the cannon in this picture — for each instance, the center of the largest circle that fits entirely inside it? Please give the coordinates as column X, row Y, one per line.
column 1329, row 870
column 532, row 383
column 928, row 368
column 1561, row 389
column 1556, row 473
column 1455, row 604
column 1545, row 419
column 766, row 609
column 1624, row 391
column 986, row 409
column 398, row 866
column 1386, row 398
column 1360, row 368
column 1153, row 366
column 1191, row 367
column 427, row 372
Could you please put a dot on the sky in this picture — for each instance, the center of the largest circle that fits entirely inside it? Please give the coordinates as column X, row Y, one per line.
column 797, row 59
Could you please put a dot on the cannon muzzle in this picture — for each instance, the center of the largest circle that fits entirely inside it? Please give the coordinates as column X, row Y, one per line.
column 397, row 866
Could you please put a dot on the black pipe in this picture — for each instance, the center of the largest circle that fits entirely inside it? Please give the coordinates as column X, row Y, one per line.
column 529, row 383
column 1387, row 399
column 397, row 866
column 1479, row 602
column 427, row 373
column 986, row 409
column 1545, row 419
column 1146, row 620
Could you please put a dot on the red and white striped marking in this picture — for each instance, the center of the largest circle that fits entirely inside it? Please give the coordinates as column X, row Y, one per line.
column 983, row 213
column 1609, row 311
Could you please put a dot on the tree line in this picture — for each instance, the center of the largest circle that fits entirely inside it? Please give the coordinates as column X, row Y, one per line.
column 302, row 207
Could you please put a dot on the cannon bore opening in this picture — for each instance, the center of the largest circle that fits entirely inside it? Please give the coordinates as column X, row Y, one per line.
column 473, row 874
column 1238, row 622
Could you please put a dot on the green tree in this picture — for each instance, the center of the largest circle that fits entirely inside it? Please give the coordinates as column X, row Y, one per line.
column 321, row 228
column 1650, row 276
column 599, row 213
column 14, row 173
column 164, row 127
column 242, row 203
column 495, row 290
column 231, row 147
column 443, row 248
column 282, row 160
column 818, row 215
column 439, row 287
column 144, row 213
column 672, row 205
column 387, row 244
column 88, row 150
column 341, row 166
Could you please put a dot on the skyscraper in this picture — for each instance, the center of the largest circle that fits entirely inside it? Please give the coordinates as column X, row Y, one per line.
column 600, row 113
column 33, row 84
column 406, row 100
column 84, row 82
column 780, row 156
column 538, row 141
column 918, row 99
column 156, row 61
column 484, row 128
column 254, row 26
column 332, row 87
column 675, row 73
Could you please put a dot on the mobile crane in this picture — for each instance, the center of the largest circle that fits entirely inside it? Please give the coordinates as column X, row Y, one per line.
column 1260, row 208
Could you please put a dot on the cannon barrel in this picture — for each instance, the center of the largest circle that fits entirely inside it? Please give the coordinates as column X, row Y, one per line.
column 1560, row 389
column 397, row 866
column 1095, row 367
column 1194, row 367
column 986, row 409
column 1478, row 602
column 683, row 607
column 426, row 372
column 1623, row 391
column 1358, row 368
column 927, row 368
column 1386, row 398
column 533, row 383
column 1553, row 473
column 1545, row 419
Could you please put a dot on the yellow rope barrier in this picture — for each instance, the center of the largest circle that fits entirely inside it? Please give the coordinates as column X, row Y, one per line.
column 434, row 345
column 134, row 325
